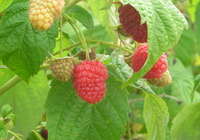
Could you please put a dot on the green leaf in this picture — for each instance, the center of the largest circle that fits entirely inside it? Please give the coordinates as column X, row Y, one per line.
column 107, row 18
column 3, row 131
column 6, row 110
column 22, row 48
column 196, row 82
column 182, row 86
column 69, row 117
column 165, row 25
column 197, row 25
column 4, row 4
column 185, row 48
column 124, row 71
column 186, row 124
column 192, row 8
column 82, row 16
column 66, row 42
column 26, row 100
column 156, row 117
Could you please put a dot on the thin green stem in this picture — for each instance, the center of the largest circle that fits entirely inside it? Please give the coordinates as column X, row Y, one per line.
column 11, row 83
column 79, row 33
column 61, row 36
column 71, row 3
column 46, row 66
column 65, row 49
column 14, row 134
column 109, row 44
column 84, row 43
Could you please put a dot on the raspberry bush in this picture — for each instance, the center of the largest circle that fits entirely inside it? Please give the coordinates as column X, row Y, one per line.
column 66, row 69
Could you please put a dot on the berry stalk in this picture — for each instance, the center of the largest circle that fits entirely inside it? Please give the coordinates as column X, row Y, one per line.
column 11, row 83
column 79, row 34
column 70, row 4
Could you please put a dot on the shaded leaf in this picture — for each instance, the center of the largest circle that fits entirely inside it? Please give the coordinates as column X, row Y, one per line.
column 182, row 86
column 26, row 100
column 196, row 82
column 185, row 48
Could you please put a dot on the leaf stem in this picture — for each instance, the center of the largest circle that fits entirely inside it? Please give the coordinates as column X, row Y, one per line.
column 14, row 134
column 61, row 36
column 71, row 3
column 95, row 42
column 11, row 83
column 162, row 95
column 79, row 33
column 109, row 44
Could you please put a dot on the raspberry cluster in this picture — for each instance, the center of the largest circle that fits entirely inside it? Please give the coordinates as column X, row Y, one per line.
column 89, row 80
column 139, row 58
column 42, row 13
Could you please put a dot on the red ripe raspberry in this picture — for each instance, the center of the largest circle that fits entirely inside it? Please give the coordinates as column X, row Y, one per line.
column 130, row 20
column 89, row 80
column 139, row 58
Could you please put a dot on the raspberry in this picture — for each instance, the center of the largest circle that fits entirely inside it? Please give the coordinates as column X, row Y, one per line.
column 42, row 13
column 163, row 81
column 130, row 20
column 139, row 58
column 62, row 69
column 44, row 133
column 89, row 80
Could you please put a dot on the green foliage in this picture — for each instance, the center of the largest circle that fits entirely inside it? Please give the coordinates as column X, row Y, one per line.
column 31, row 100
column 185, row 48
column 22, row 48
column 186, row 123
column 3, row 131
column 124, row 71
column 197, row 25
column 182, row 86
column 26, row 100
column 165, row 25
column 82, row 16
column 4, row 4
column 6, row 110
column 104, row 15
column 156, row 117
column 74, row 119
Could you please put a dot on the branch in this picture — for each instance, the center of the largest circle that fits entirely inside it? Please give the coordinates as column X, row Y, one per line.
column 162, row 95
column 11, row 83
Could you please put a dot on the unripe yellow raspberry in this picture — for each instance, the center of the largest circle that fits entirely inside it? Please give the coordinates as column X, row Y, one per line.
column 163, row 81
column 62, row 69
column 42, row 13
